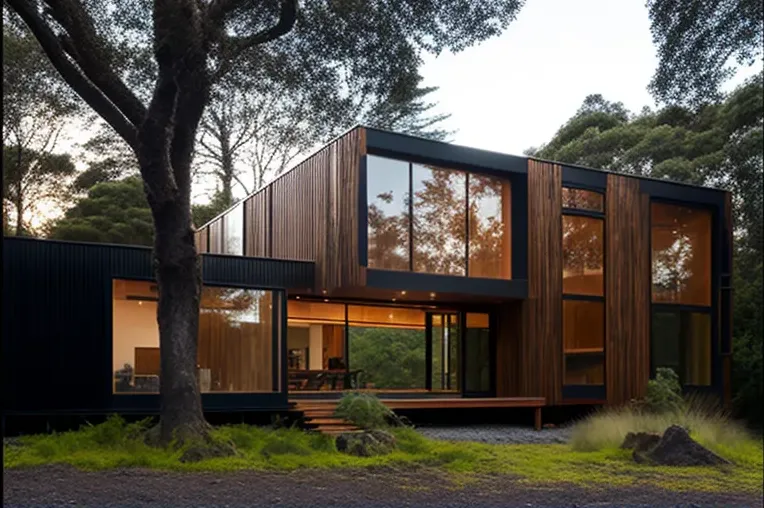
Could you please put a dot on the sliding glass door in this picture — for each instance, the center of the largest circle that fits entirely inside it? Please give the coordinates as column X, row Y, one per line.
column 478, row 357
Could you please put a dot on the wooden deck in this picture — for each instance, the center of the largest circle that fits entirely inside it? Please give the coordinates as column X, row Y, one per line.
column 438, row 403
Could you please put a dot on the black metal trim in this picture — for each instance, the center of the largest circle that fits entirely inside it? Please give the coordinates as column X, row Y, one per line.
column 363, row 213
column 388, row 144
column 428, row 350
column 580, row 212
column 415, row 281
column 275, row 336
column 283, row 345
column 411, row 217
column 594, row 392
column 467, row 224
column 583, row 298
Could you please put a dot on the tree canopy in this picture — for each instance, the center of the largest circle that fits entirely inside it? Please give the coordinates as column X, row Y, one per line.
column 112, row 212
column 698, row 41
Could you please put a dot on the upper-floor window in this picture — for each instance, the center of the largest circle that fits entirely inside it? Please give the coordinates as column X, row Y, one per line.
column 436, row 220
column 681, row 252
column 582, row 199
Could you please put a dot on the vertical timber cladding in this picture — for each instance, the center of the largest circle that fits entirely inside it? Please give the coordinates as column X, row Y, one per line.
column 339, row 255
column 215, row 237
column 627, row 290
column 257, row 218
column 509, row 337
column 541, row 347
column 311, row 214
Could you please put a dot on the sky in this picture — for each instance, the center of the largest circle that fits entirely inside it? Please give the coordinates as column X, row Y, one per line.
column 515, row 91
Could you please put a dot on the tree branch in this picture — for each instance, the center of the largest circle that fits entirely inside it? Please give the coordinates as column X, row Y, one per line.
column 93, row 96
column 92, row 59
column 234, row 47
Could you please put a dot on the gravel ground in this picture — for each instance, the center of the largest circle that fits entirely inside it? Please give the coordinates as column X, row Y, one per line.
column 378, row 488
column 497, row 434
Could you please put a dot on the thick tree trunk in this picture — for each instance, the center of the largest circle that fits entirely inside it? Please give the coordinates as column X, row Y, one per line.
column 179, row 275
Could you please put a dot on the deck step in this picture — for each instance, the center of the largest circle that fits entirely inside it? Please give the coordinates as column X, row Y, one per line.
column 318, row 412
column 327, row 421
column 339, row 429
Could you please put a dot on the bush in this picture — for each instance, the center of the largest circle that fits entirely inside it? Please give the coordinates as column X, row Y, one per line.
column 664, row 393
column 365, row 411
column 706, row 424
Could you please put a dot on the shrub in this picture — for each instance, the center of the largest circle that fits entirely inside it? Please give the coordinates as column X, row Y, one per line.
column 664, row 393
column 365, row 411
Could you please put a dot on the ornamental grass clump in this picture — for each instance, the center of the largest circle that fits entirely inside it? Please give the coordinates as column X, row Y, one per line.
column 366, row 411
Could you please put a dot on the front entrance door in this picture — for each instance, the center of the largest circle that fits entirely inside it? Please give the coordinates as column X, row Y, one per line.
column 443, row 352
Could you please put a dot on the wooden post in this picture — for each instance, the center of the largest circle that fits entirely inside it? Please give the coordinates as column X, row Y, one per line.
column 537, row 418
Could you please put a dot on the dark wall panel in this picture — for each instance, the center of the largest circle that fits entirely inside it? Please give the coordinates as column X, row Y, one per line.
column 627, row 290
column 541, row 347
column 57, row 321
column 510, row 334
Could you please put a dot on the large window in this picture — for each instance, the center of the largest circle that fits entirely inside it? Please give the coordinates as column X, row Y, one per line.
column 316, row 335
column 233, row 230
column 387, row 346
column 582, row 259
column 236, row 339
column 681, row 244
column 682, row 332
column 387, row 186
column 437, row 220
column 440, row 221
column 583, row 307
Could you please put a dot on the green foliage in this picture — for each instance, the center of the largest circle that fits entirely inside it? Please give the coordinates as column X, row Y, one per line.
column 713, row 429
column 664, row 393
column 116, row 444
column 364, row 410
column 389, row 357
column 112, row 212
column 202, row 214
column 697, row 41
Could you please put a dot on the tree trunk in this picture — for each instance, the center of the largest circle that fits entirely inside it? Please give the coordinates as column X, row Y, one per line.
column 19, row 208
column 178, row 272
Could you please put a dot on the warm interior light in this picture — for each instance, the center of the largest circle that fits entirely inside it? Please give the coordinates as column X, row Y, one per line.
column 326, row 299
column 432, row 295
column 323, row 291
column 403, row 293
column 140, row 303
column 296, row 297
column 393, row 299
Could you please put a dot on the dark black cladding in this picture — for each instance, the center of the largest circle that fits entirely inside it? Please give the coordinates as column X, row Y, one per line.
column 57, row 323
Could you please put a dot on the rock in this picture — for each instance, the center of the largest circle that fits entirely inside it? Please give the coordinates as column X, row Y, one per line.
column 640, row 441
column 366, row 444
column 677, row 448
column 198, row 452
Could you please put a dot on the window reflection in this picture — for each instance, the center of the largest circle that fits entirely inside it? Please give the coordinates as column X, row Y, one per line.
column 681, row 341
column 387, row 187
column 235, row 348
column 582, row 258
column 440, row 206
column 233, row 229
column 681, row 254
column 489, row 219
column 583, row 199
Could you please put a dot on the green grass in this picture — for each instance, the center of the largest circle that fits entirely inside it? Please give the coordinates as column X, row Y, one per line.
column 117, row 444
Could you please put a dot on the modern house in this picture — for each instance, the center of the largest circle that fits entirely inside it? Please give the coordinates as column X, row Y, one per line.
column 415, row 269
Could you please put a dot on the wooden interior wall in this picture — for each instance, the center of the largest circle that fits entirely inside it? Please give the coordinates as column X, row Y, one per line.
column 627, row 290
column 216, row 237
column 333, row 343
column 541, row 347
column 257, row 219
column 239, row 358
column 510, row 332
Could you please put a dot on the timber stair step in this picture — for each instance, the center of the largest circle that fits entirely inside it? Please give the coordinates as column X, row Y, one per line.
column 319, row 417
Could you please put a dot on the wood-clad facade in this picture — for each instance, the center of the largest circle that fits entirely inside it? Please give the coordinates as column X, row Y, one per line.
column 572, row 286
column 415, row 268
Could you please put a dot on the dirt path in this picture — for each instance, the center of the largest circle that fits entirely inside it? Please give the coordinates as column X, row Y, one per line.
column 66, row 486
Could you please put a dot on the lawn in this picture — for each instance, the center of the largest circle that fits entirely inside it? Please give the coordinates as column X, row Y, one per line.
column 116, row 444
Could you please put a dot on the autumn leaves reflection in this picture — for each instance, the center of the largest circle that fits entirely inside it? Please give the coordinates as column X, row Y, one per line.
column 456, row 224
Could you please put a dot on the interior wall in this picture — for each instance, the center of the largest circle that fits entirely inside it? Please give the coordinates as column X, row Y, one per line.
column 135, row 325
column 316, row 347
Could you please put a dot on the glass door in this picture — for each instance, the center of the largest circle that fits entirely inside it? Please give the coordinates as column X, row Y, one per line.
column 478, row 365
column 443, row 352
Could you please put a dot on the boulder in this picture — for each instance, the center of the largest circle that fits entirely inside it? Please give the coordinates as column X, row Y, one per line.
column 640, row 441
column 366, row 443
column 677, row 448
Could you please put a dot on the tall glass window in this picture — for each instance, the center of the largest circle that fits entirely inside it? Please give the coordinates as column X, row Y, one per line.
column 440, row 216
column 583, row 288
column 236, row 331
column 387, row 194
column 682, row 332
column 489, row 227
